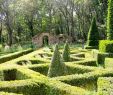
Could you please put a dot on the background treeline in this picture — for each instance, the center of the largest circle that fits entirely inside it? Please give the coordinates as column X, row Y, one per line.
column 20, row 20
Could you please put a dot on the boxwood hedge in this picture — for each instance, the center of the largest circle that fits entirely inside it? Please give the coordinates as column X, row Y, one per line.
column 106, row 46
column 14, row 55
column 105, row 86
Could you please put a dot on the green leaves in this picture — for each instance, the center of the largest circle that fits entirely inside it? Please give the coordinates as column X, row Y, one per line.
column 93, row 35
column 66, row 53
column 110, row 20
column 57, row 67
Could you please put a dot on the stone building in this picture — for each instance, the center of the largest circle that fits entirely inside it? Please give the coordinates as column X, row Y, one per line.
column 48, row 38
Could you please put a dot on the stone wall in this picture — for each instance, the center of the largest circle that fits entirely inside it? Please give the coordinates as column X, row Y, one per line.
column 38, row 39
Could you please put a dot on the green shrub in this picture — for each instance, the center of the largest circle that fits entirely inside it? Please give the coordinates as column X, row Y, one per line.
column 41, row 68
column 110, row 20
column 93, row 35
column 79, row 55
column 71, row 68
column 105, row 86
column 66, row 53
column 90, row 62
column 106, row 46
column 6, row 93
column 78, row 69
column 101, row 57
column 14, row 55
column 91, row 47
column 72, row 58
column 39, row 85
column 60, row 88
column 57, row 67
column 108, row 62
column 26, row 87
column 87, row 80
column 13, row 74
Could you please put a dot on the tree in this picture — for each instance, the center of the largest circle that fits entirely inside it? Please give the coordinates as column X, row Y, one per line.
column 57, row 67
column 93, row 35
column 66, row 53
column 110, row 20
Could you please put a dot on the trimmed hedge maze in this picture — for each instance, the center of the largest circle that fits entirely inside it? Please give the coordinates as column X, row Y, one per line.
column 27, row 75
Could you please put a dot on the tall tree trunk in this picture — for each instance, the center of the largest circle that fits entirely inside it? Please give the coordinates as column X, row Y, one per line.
column 9, row 29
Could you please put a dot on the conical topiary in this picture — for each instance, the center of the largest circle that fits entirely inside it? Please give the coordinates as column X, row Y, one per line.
column 57, row 67
column 93, row 35
column 66, row 52
column 110, row 20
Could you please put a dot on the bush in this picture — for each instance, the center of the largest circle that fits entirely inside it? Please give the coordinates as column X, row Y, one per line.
column 71, row 68
column 78, row 69
column 14, row 55
column 110, row 20
column 41, row 68
column 101, row 57
column 86, row 80
column 66, row 53
column 57, row 67
column 6, row 93
column 106, row 46
column 93, row 35
column 105, row 86
column 91, row 47
column 90, row 62
column 108, row 62
column 81, row 55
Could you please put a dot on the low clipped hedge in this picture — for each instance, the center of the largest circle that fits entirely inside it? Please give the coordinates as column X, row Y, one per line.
column 91, row 47
column 39, row 85
column 87, row 81
column 82, row 55
column 71, row 68
column 72, row 58
column 13, row 74
column 59, row 88
column 26, row 87
column 105, row 86
column 14, row 55
column 108, row 62
column 106, row 46
column 31, row 86
column 79, row 69
column 41, row 68
column 94, row 53
column 90, row 62
column 6, row 93
column 101, row 57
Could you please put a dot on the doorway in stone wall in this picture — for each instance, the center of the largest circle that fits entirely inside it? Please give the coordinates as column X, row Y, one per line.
column 45, row 41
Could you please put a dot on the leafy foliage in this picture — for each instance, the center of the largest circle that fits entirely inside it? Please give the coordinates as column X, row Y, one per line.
column 66, row 53
column 93, row 35
column 110, row 20
column 105, row 46
column 57, row 67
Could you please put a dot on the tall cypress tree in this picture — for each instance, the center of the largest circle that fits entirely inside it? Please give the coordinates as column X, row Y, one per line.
column 110, row 20
column 57, row 66
column 93, row 35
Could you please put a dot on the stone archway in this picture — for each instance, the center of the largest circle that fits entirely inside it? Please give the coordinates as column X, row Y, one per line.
column 49, row 39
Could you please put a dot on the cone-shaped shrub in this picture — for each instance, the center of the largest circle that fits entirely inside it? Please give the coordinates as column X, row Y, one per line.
column 110, row 20
column 57, row 67
column 66, row 52
column 93, row 35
